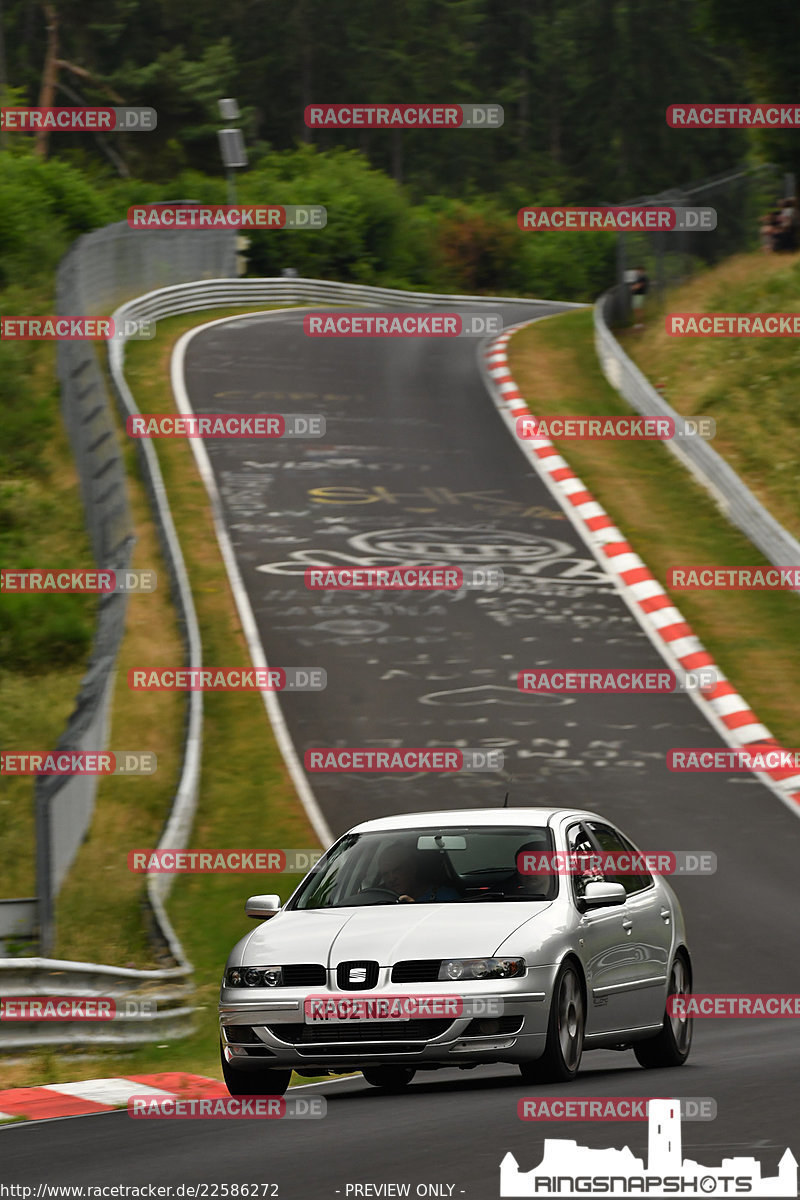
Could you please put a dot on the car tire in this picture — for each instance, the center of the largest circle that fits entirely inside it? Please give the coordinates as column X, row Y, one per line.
column 566, row 1026
column 671, row 1045
column 263, row 1082
column 389, row 1079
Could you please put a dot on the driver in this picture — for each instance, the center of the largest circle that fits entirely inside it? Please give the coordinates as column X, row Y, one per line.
column 531, row 884
column 403, row 873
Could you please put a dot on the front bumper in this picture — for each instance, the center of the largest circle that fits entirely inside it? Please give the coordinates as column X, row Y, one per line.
column 265, row 1028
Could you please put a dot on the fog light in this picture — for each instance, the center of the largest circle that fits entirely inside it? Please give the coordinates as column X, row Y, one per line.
column 488, row 1026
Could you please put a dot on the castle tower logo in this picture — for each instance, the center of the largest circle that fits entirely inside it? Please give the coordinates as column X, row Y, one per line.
column 568, row 1169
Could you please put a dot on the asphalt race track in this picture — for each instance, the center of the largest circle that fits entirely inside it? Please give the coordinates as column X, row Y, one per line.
column 418, row 468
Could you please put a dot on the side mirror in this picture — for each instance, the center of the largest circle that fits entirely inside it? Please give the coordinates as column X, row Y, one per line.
column 262, row 907
column 598, row 895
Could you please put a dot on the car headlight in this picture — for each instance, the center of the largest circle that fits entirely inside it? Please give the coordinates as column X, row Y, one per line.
column 481, row 968
column 253, row 977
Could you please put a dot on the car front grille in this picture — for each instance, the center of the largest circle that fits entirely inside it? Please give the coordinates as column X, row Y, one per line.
column 304, row 975
column 329, row 1033
column 344, row 970
column 417, row 970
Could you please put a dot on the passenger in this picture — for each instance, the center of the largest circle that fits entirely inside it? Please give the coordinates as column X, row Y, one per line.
column 539, row 886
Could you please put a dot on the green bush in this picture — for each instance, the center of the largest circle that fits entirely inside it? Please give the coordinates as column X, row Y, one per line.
column 42, row 633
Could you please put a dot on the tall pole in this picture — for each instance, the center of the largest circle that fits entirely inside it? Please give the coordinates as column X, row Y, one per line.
column 3, row 71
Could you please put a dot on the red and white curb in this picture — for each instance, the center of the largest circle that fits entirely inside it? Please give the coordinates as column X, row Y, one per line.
column 102, row 1095
column 730, row 715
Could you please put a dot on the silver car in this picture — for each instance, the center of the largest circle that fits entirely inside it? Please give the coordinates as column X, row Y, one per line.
column 452, row 939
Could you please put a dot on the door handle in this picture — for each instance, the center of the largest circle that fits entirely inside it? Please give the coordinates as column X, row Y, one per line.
column 627, row 923
column 666, row 915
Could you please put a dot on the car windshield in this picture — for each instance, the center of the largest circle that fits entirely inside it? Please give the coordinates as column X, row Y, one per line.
column 451, row 864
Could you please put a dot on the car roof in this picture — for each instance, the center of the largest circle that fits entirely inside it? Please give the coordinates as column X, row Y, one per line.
column 472, row 817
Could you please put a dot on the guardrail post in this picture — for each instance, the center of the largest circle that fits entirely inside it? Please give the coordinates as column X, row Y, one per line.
column 44, row 870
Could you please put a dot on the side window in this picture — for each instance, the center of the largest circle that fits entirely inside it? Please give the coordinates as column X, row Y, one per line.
column 578, row 842
column 645, row 879
column 615, row 843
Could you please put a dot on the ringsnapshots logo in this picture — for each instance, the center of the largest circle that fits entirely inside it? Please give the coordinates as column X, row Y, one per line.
column 616, row 862
column 403, row 579
column 617, row 681
column 322, row 1008
column 56, row 580
column 228, row 216
column 226, row 425
column 361, row 759
column 78, row 762
column 227, row 679
column 74, row 1008
column 621, row 218
column 114, row 119
column 404, row 116
column 734, row 579
column 75, row 329
column 741, row 325
column 222, row 861
column 609, row 1108
column 220, row 1108
column 567, row 1169
column 614, row 428
column 402, row 324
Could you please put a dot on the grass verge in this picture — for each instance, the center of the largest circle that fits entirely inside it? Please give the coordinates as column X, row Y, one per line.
column 668, row 518
column 246, row 795
column 748, row 385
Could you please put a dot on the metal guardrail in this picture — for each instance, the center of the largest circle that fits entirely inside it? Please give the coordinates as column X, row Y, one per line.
column 36, row 977
column 213, row 293
column 736, row 500
column 101, row 269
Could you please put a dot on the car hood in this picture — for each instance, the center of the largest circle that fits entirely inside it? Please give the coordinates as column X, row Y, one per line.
column 386, row 933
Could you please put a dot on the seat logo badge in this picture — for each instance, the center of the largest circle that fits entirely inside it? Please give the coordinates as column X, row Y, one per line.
column 357, row 975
